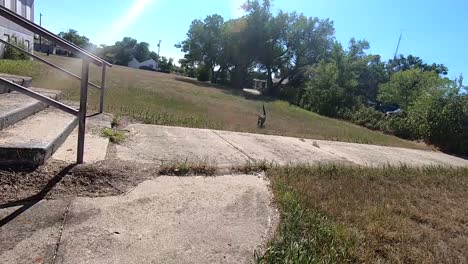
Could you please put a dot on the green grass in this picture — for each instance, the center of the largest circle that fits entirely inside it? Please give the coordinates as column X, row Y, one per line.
column 113, row 135
column 339, row 214
column 166, row 99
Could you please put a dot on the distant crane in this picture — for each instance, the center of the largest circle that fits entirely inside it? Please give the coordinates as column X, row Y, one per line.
column 398, row 46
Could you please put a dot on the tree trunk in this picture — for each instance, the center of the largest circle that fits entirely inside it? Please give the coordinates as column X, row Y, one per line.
column 270, row 88
column 213, row 76
column 238, row 77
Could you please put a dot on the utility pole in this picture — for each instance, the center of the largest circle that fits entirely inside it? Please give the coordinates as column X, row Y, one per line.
column 159, row 48
column 398, row 46
column 40, row 37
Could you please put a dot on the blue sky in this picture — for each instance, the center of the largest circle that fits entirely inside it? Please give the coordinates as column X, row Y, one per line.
column 436, row 31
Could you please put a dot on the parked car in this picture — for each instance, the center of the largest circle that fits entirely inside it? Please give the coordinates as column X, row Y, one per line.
column 396, row 112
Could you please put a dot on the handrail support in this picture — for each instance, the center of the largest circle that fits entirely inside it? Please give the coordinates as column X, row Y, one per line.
column 103, row 88
column 83, row 110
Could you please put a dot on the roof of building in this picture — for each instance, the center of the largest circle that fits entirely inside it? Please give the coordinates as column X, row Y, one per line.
column 275, row 80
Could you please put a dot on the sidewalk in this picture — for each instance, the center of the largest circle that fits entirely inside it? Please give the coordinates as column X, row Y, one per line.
column 219, row 219
column 150, row 143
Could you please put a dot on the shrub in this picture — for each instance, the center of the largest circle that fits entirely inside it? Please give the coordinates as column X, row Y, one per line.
column 400, row 127
column 13, row 54
column 203, row 74
column 146, row 68
column 448, row 124
column 368, row 117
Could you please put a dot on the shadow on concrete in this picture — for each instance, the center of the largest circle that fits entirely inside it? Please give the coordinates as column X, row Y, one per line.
column 32, row 200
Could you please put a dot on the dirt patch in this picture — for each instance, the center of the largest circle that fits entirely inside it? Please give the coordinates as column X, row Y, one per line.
column 58, row 179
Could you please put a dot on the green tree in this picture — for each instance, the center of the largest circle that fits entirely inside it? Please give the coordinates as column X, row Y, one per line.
column 204, row 43
column 405, row 87
column 123, row 51
column 334, row 88
column 75, row 38
column 309, row 41
column 153, row 55
column 141, row 51
column 402, row 63
column 234, row 58
column 166, row 65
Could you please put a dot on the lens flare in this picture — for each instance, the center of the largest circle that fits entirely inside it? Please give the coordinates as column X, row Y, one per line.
column 122, row 23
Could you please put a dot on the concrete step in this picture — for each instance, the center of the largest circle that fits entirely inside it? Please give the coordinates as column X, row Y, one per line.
column 31, row 141
column 21, row 80
column 15, row 107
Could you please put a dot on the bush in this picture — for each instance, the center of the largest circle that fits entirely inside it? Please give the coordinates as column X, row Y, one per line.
column 400, row 127
column 146, row 68
column 13, row 54
column 448, row 124
column 368, row 117
column 203, row 74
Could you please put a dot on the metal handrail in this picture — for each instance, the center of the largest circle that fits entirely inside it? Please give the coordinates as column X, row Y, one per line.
column 17, row 19
column 48, row 63
column 39, row 97
column 84, row 80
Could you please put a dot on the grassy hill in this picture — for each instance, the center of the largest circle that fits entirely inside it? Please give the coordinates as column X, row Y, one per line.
column 168, row 99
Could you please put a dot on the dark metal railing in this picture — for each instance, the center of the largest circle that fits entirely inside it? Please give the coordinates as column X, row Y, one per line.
column 86, row 57
column 47, row 100
column 48, row 63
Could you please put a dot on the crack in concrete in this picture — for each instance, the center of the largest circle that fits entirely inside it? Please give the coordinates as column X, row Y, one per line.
column 238, row 149
column 337, row 155
column 59, row 240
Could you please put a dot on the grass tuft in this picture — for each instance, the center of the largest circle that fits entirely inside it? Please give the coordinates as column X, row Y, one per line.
column 253, row 167
column 113, row 135
column 116, row 121
column 186, row 168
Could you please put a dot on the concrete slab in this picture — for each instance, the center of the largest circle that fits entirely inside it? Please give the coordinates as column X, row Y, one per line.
column 277, row 149
column 149, row 144
column 15, row 106
column 32, row 236
column 172, row 220
column 371, row 155
column 95, row 144
column 34, row 139
column 21, row 80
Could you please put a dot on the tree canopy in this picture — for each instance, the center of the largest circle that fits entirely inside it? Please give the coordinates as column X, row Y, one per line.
column 75, row 38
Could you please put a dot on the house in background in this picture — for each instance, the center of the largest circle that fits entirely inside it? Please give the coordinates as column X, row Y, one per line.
column 148, row 64
column 10, row 31
column 261, row 85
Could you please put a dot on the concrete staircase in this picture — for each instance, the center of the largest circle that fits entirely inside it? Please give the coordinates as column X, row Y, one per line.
column 30, row 131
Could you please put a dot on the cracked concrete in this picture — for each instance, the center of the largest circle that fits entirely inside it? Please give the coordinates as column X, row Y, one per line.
column 151, row 143
column 166, row 220
column 180, row 219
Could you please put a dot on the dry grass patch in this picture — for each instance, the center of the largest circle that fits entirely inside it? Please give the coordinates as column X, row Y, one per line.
column 371, row 215
column 185, row 168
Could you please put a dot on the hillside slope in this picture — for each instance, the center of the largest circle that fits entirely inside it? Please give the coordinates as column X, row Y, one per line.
column 168, row 99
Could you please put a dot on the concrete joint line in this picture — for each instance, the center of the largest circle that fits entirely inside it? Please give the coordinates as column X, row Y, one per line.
column 238, row 149
column 59, row 240
column 339, row 156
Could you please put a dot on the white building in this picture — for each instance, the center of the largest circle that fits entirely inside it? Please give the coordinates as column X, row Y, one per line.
column 152, row 64
column 9, row 30
column 262, row 84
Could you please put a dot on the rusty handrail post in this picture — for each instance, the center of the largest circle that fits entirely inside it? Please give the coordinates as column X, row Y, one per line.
column 83, row 110
column 103, row 88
